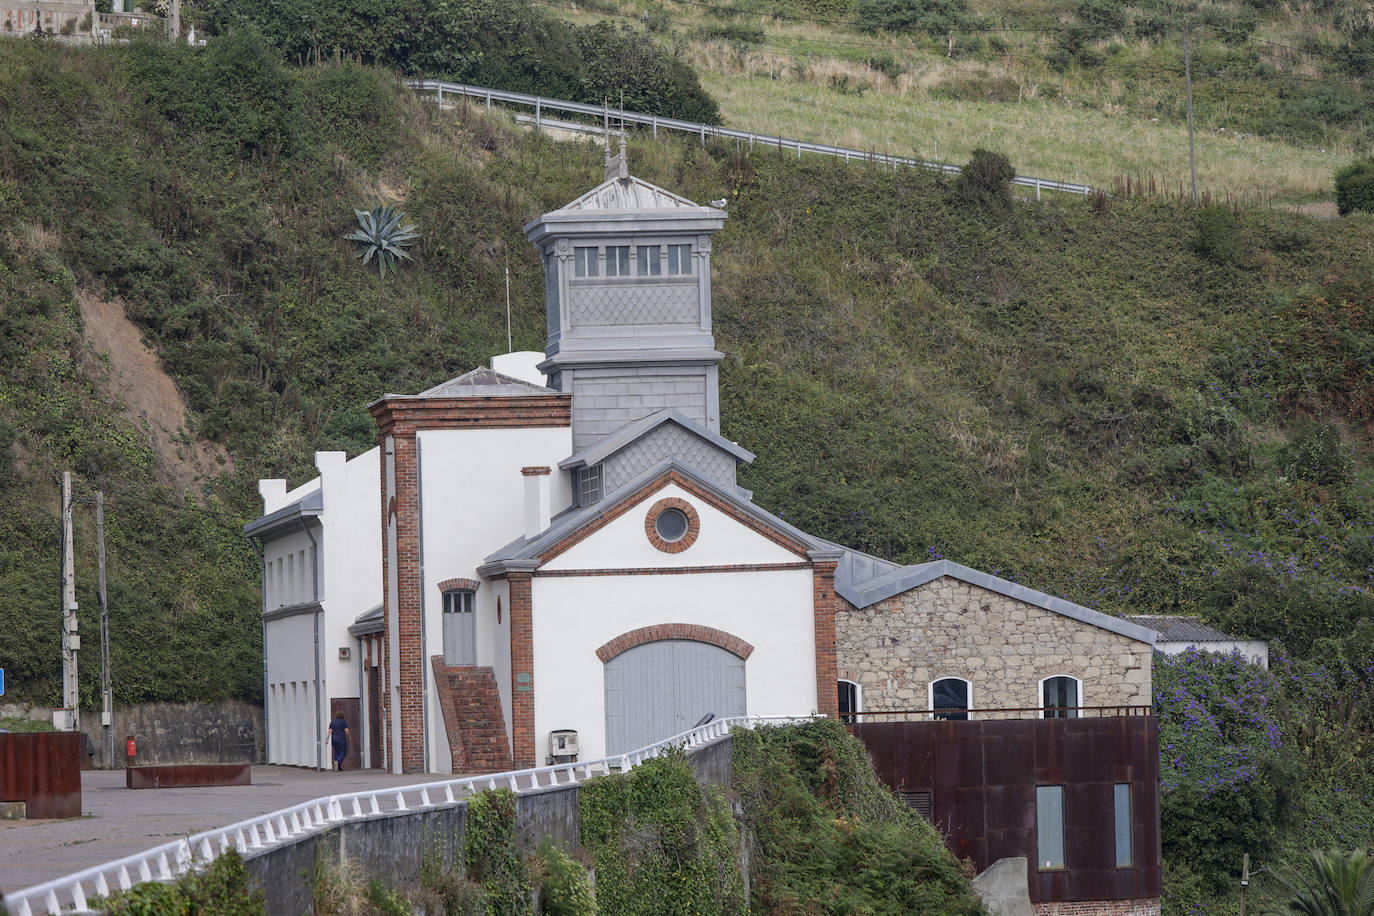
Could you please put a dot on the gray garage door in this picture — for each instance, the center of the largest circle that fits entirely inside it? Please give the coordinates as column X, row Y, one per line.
column 663, row 688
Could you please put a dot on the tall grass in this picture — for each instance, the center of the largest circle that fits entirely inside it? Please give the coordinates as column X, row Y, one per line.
column 1044, row 138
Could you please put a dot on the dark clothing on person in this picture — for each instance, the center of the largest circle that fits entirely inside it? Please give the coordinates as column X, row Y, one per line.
column 338, row 739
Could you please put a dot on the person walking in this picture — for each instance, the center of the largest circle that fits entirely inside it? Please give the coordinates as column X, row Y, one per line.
column 338, row 738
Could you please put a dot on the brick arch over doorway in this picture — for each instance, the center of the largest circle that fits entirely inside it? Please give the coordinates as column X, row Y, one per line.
column 627, row 641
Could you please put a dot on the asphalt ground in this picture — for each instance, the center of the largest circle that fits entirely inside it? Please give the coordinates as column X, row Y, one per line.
column 117, row 822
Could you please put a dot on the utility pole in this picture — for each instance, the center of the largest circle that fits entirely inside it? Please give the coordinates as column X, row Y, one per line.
column 1188, row 82
column 509, row 348
column 71, row 640
column 106, row 685
column 1244, row 880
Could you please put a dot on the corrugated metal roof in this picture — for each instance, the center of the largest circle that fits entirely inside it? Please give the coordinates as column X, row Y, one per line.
column 1181, row 628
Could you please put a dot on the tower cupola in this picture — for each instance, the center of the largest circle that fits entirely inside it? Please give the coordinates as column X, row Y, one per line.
column 627, row 280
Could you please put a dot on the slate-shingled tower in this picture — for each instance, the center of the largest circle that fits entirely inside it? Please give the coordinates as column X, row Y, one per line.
column 628, row 289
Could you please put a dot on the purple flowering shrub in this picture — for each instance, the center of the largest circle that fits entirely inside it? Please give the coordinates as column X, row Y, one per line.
column 1269, row 763
column 1226, row 772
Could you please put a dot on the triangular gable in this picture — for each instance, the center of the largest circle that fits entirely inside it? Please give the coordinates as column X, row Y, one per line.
column 484, row 383
column 579, row 524
column 630, row 193
column 630, row 433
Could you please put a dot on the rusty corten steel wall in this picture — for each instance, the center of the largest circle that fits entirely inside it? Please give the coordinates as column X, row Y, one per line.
column 983, row 776
column 44, row 770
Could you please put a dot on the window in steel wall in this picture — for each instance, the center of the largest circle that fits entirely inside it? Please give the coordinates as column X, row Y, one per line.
column 1049, row 826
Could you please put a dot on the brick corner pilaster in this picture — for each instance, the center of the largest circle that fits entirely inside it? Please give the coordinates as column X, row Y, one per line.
column 522, row 668
column 823, row 610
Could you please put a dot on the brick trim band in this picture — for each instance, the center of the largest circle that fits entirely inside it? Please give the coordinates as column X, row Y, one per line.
column 460, row 585
column 659, row 631
column 536, row 471
column 669, row 570
column 688, row 538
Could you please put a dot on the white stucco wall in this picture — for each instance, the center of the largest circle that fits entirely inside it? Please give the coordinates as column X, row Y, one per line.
column 347, row 548
column 350, row 564
column 576, row 615
column 473, row 495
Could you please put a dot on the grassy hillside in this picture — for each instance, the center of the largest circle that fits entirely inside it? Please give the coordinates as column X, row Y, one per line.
column 1136, row 404
column 1070, row 89
column 1139, row 405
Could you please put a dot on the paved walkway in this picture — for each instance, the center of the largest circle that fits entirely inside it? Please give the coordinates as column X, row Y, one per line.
column 118, row 822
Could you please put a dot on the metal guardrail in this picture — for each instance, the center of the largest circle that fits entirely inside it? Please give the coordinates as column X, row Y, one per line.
column 1009, row 712
column 73, row 893
column 540, row 104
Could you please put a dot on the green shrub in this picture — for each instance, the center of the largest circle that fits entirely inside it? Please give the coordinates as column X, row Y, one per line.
column 492, row 856
column 935, row 17
column 826, row 830
column 564, row 889
column 885, row 64
column 218, row 889
column 1316, row 453
column 1355, row 187
column 985, row 182
column 1219, row 237
column 661, row 843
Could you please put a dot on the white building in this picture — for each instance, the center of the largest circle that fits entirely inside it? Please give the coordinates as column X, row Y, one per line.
column 558, row 546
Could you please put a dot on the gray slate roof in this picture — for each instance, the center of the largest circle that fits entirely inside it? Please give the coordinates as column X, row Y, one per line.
column 369, row 621
column 484, row 383
column 308, row 506
column 479, row 383
column 864, row 580
column 523, row 554
column 607, row 446
column 1179, row 628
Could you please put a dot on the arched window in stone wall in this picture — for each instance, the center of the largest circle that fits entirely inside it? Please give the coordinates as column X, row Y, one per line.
column 951, row 698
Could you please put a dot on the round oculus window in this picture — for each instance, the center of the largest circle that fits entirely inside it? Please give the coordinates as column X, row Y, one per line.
column 671, row 525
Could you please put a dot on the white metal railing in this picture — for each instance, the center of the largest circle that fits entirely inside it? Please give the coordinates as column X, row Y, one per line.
column 540, row 104
column 72, row 893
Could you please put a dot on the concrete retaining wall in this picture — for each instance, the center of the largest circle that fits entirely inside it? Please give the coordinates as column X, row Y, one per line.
column 227, row 731
column 391, row 847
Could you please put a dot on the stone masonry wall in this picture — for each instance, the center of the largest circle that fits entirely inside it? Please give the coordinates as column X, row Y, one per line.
column 1144, row 907
column 948, row 628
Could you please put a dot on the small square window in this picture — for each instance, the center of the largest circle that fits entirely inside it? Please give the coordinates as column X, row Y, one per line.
column 650, row 261
column 589, row 485
column 586, row 261
column 617, row 260
column 679, row 259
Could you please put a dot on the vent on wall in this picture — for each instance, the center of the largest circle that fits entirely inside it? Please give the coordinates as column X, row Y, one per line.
column 920, row 803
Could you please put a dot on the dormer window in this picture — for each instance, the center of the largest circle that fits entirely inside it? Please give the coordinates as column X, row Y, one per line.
column 589, row 485
column 649, row 261
column 679, row 259
column 617, row 260
column 585, row 258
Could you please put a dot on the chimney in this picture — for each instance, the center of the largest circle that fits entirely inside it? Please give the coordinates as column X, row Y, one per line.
column 536, row 501
column 273, row 493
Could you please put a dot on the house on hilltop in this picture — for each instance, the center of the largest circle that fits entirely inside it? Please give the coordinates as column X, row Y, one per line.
column 553, row 557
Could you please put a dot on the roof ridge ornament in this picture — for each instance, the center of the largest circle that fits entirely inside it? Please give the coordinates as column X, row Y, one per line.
column 617, row 166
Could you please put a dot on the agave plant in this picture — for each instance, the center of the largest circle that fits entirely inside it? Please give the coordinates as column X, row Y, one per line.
column 381, row 234
column 1342, row 885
